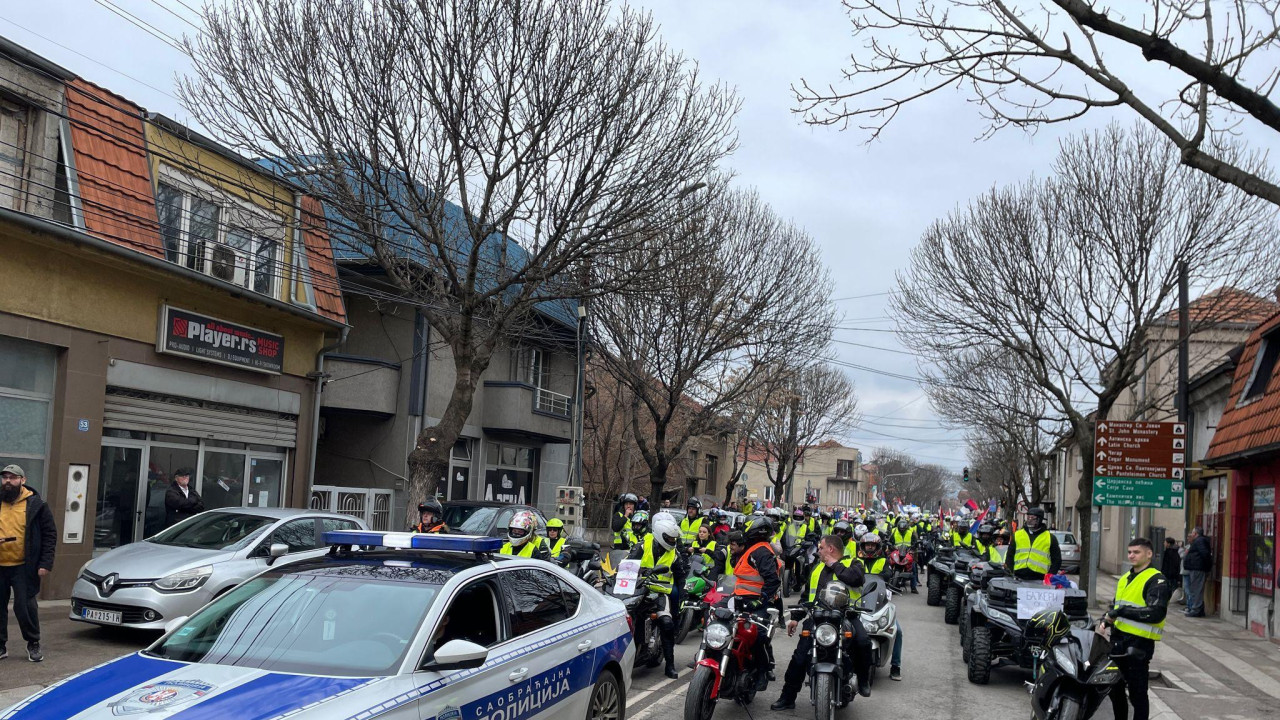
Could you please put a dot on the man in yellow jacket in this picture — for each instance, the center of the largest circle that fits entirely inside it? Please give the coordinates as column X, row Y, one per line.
column 28, row 537
column 1137, row 620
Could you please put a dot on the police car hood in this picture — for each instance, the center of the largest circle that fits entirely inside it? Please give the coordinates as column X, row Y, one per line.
column 153, row 689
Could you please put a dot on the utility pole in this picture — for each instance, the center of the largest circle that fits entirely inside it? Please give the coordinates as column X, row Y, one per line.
column 579, row 400
column 1184, row 372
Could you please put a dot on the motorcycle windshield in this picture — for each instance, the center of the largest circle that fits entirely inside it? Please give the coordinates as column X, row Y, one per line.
column 727, row 585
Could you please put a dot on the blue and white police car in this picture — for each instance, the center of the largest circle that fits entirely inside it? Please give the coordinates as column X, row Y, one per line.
column 387, row 625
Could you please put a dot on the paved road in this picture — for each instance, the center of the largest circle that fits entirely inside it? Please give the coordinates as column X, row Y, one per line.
column 934, row 684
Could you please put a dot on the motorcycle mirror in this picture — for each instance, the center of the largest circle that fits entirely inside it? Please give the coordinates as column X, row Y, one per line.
column 797, row 614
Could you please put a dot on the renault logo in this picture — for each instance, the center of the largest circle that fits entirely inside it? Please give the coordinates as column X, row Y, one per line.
column 109, row 584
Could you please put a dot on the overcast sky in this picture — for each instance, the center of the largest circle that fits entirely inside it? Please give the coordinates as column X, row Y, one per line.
column 865, row 205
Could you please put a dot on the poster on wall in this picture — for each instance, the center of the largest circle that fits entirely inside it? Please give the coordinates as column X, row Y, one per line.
column 508, row 486
column 1262, row 542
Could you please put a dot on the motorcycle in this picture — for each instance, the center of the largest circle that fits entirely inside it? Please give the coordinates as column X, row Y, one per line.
column 581, row 557
column 798, row 557
column 692, row 605
column 643, row 607
column 901, row 560
column 1074, row 675
column 830, row 687
column 725, row 667
column 879, row 617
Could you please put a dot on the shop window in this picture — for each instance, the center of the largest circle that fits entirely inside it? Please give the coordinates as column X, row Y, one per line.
column 27, row 372
column 1262, row 542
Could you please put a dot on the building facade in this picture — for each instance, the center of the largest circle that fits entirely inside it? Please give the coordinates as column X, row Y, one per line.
column 828, row 474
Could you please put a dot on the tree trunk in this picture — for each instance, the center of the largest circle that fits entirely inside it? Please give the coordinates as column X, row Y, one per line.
column 657, row 481
column 429, row 460
column 1084, row 503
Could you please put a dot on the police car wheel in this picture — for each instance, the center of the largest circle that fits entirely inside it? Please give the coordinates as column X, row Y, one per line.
column 607, row 702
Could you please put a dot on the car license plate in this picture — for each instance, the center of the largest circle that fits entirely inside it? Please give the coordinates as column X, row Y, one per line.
column 108, row 616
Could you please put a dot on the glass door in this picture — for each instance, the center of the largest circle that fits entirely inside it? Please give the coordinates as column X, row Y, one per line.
column 119, row 515
column 266, row 476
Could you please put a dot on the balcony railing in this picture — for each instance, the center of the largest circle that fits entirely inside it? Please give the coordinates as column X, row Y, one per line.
column 552, row 402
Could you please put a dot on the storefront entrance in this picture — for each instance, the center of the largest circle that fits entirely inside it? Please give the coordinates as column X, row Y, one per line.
column 137, row 468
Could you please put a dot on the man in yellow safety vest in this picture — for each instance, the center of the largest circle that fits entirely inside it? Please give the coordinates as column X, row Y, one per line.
column 1137, row 620
column 1034, row 551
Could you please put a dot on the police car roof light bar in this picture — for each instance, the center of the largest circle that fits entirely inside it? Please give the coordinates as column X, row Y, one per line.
column 414, row 541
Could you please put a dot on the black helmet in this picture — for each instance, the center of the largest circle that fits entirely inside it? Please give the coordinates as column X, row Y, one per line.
column 1037, row 511
column 825, row 515
column 986, row 529
column 640, row 523
column 761, row 530
column 693, row 502
column 844, row 530
column 431, row 505
column 629, row 498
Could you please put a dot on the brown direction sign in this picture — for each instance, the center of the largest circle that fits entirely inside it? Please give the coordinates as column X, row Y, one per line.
column 1128, row 455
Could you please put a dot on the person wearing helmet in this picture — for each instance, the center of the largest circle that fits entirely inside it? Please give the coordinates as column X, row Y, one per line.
column 660, row 549
column 905, row 534
column 960, row 536
column 523, row 539
column 430, row 517
column 720, row 531
column 623, row 538
column 758, row 582
column 984, row 544
column 832, row 566
column 1034, row 549
column 556, row 541
column 639, row 527
column 872, row 554
column 844, row 531
column 826, row 522
column 691, row 521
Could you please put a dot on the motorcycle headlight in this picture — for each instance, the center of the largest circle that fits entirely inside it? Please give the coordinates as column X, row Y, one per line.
column 1064, row 657
column 716, row 636
column 1109, row 675
column 826, row 635
column 890, row 617
column 185, row 580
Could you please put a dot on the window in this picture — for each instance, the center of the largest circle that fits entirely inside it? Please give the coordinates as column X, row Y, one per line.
column 530, row 367
column 844, row 468
column 334, row 524
column 713, row 465
column 571, row 597
column 536, row 600
column 27, row 373
column 474, row 616
column 299, row 535
column 1264, row 365
column 224, row 240
column 15, row 119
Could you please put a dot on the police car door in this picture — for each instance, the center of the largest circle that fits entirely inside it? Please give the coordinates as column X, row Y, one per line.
column 551, row 671
column 476, row 613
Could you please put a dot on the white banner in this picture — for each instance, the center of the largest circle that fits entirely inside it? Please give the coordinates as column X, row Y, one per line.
column 624, row 583
column 1033, row 600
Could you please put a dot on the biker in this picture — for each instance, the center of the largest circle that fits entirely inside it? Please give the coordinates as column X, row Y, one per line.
column 873, row 558
column 659, row 548
column 779, row 518
column 712, row 552
column 984, row 545
column 430, row 517
column 1034, row 549
column 720, row 531
column 833, row 565
column 556, row 541
column 905, row 534
column 691, row 521
column 843, row 531
column 639, row 527
column 522, row 540
column 623, row 537
column 960, row 536
column 756, row 570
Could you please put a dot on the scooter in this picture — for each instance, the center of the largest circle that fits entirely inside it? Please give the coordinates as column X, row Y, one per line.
column 901, row 560
column 880, row 618
column 726, row 666
column 1074, row 674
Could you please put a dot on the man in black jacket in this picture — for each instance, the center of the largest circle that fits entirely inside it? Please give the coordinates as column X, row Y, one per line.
column 1198, row 563
column 1137, row 620
column 28, row 538
column 181, row 501
column 1034, row 552
column 1171, row 563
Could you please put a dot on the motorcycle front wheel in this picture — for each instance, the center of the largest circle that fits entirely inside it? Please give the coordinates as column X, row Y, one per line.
column 687, row 619
column 698, row 703
column 786, row 581
column 825, row 696
column 1070, row 709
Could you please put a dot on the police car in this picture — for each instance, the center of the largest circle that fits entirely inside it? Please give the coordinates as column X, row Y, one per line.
column 387, row 625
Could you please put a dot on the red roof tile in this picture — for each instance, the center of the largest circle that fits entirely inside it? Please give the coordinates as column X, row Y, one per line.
column 1255, row 424
column 324, row 272
column 111, row 163
column 1227, row 305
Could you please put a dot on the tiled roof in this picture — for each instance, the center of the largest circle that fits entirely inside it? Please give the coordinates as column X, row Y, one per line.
column 324, row 273
column 111, row 164
column 1256, row 424
column 1227, row 305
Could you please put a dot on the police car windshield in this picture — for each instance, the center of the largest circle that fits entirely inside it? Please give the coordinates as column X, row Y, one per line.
column 214, row 531
column 318, row 623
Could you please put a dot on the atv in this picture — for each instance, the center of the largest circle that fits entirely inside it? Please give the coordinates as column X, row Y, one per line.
column 995, row 634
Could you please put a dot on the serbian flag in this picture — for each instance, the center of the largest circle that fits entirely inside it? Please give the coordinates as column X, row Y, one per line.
column 971, row 504
column 991, row 508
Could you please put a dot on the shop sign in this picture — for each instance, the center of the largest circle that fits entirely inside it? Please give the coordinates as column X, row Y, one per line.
column 201, row 337
column 514, row 487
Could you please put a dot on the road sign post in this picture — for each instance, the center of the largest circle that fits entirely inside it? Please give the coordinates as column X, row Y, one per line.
column 1140, row 464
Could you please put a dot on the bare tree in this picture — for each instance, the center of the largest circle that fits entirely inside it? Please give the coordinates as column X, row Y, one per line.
column 610, row 459
column 905, row 479
column 1032, row 63
column 998, row 470
column 480, row 152
column 812, row 403
column 720, row 326
column 1065, row 276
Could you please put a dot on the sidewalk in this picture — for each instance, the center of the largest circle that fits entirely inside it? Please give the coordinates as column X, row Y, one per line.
column 1208, row 668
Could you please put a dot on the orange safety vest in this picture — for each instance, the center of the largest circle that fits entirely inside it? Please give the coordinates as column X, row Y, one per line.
column 749, row 580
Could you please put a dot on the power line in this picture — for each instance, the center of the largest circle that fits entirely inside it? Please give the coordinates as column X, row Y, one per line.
column 142, row 25
column 174, row 13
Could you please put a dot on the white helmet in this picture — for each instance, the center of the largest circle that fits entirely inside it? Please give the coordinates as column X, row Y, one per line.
column 859, row 530
column 666, row 531
column 521, row 528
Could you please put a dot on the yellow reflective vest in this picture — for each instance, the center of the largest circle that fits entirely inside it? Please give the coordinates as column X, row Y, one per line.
column 526, row 550
column 1130, row 594
column 1033, row 555
column 855, row 594
column 689, row 528
column 663, row 583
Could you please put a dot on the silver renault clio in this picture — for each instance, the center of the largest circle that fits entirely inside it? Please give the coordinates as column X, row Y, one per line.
column 146, row 584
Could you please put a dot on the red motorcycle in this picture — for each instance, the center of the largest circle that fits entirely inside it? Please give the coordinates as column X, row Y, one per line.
column 901, row 560
column 727, row 666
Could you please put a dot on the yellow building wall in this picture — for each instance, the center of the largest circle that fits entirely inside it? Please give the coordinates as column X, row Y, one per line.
column 52, row 280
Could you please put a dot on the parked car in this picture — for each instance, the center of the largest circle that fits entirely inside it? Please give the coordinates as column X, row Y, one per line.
column 1070, row 551
column 486, row 517
column 443, row 628
column 145, row 584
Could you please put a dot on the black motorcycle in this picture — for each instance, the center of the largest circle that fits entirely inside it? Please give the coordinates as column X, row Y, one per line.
column 1074, row 674
column 643, row 606
column 996, row 635
column 830, row 686
column 798, row 556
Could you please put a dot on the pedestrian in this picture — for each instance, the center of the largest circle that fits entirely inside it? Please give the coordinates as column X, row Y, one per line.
column 1171, row 563
column 181, row 501
column 1198, row 563
column 1137, row 623
column 28, row 538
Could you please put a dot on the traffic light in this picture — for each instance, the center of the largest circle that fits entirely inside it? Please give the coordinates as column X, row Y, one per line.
column 966, row 473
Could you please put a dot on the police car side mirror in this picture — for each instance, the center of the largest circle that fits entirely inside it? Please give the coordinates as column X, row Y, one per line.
column 457, row 655
column 277, row 550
